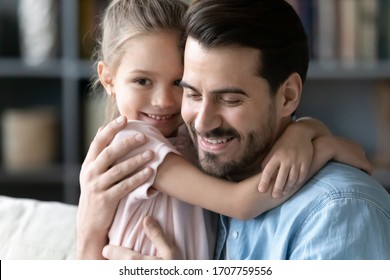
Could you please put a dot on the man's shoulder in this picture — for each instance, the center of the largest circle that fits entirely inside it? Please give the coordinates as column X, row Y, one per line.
column 340, row 181
column 338, row 177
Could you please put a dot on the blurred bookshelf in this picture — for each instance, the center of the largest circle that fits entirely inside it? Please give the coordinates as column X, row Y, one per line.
column 348, row 93
column 59, row 81
column 348, row 85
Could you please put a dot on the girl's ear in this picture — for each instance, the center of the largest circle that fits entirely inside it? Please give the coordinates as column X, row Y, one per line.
column 289, row 95
column 105, row 77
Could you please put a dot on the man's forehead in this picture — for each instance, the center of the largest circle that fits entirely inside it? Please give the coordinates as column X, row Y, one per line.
column 226, row 62
column 193, row 47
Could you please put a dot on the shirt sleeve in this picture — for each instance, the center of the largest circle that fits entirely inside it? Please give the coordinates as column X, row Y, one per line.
column 335, row 232
column 156, row 142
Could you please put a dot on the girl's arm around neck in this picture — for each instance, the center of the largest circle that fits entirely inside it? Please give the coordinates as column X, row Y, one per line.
column 182, row 180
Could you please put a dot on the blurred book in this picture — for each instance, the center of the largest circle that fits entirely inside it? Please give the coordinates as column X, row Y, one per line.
column 90, row 13
column 326, row 40
column 384, row 29
column 9, row 29
column 348, row 32
column 306, row 12
column 367, row 46
column 86, row 27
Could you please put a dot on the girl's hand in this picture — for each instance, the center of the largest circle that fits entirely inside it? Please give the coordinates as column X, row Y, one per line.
column 290, row 160
column 287, row 164
column 103, row 185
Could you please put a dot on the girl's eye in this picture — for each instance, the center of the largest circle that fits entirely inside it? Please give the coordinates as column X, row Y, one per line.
column 177, row 83
column 143, row 82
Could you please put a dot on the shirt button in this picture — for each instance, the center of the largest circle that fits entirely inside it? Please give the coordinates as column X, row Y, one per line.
column 235, row 234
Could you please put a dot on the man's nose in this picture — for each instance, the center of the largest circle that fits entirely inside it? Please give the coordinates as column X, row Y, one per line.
column 208, row 117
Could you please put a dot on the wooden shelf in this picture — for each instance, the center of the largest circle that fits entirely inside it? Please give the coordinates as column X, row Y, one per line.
column 16, row 68
column 52, row 174
column 359, row 71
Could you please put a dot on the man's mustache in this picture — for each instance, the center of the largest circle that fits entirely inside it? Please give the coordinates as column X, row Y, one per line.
column 217, row 133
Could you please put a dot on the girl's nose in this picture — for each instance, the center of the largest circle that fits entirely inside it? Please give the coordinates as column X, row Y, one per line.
column 163, row 98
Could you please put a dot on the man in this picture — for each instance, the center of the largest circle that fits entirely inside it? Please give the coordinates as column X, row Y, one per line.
column 245, row 63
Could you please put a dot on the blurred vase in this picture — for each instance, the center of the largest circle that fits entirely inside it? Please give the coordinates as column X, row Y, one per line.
column 29, row 138
column 38, row 29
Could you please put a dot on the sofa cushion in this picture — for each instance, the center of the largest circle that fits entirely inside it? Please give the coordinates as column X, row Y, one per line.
column 32, row 229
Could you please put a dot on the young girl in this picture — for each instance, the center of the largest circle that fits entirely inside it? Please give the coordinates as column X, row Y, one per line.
column 140, row 66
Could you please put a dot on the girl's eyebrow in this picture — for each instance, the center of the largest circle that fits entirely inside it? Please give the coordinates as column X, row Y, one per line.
column 140, row 71
column 215, row 91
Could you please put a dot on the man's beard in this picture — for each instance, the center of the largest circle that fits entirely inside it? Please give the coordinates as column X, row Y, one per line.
column 256, row 144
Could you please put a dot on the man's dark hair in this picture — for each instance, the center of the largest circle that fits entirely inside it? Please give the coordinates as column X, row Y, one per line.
column 271, row 26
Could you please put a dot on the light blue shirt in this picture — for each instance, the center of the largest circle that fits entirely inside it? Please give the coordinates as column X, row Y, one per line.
column 341, row 213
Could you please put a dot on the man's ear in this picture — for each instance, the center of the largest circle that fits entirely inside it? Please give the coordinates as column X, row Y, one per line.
column 105, row 77
column 289, row 95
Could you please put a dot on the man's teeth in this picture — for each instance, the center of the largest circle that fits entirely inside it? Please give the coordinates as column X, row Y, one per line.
column 217, row 141
column 160, row 117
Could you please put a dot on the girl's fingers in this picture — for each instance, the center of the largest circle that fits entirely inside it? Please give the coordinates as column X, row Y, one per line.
column 291, row 180
column 303, row 174
column 280, row 181
column 267, row 175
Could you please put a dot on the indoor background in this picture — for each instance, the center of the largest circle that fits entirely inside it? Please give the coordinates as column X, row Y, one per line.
column 48, row 116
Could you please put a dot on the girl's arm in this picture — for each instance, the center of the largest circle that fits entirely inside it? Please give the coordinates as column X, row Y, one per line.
column 184, row 181
column 180, row 179
column 341, row 150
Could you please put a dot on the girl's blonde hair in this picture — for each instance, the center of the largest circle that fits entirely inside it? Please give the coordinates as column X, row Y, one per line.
column 125, row 19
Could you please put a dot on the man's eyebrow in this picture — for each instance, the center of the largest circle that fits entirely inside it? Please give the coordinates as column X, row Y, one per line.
column 186, row 85
column 215, row 91
column 228, row 90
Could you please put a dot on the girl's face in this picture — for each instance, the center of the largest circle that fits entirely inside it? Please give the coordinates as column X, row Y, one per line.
column 146, row 83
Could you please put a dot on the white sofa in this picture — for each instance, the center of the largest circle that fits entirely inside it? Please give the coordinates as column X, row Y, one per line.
column 32, row 229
